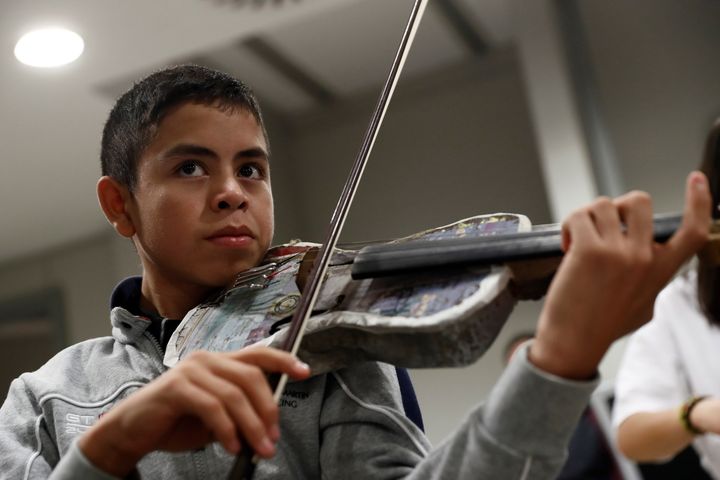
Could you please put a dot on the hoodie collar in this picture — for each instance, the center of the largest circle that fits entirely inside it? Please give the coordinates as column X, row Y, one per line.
column 127, row 295
column 128, row 323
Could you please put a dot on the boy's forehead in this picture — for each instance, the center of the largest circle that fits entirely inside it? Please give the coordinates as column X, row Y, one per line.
column 207, row 125
column 195, row 115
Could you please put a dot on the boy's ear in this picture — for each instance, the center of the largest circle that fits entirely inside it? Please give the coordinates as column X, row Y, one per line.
column 114, row 199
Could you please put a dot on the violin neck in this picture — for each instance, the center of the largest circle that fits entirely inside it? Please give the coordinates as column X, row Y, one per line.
column 544, row 241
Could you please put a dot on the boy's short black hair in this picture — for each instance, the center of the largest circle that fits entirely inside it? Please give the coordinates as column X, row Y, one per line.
column 134, row 118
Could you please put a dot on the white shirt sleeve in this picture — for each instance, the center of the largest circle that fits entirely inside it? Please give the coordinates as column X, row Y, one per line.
column 650, row 376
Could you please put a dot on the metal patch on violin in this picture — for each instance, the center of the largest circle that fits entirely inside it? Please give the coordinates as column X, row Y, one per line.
column 286, row 305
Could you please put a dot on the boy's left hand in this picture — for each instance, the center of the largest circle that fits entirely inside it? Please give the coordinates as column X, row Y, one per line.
column 609, row 278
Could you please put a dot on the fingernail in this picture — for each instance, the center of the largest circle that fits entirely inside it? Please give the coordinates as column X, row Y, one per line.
column 302, row 366
column 698, row 181
column 234, row 447
column 267, row 446
column 274, row 433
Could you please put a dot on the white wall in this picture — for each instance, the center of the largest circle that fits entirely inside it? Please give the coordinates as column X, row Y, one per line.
column 659, row 82
column 455, row 145
column 83, row 271
column 566, row 167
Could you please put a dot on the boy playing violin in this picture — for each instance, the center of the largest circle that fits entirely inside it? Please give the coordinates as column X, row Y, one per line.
column 186, row 177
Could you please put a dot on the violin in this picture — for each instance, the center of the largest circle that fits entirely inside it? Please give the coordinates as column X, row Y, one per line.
column 437, row 298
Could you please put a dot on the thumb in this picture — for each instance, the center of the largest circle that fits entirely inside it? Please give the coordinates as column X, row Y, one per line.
column 695, row 228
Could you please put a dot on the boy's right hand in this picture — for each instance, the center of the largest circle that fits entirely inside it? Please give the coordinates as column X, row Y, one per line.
column 207, row 397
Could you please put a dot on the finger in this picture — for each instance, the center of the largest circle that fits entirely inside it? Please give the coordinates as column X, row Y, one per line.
column 273, row 360
column 235, row 400
column 578, row 228
column 694, row 231
column 253, row 383
column 635, row 210
column 198, row 403
column 606, row 218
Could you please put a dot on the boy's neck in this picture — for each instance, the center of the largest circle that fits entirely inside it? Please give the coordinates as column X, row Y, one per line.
column 170, row 300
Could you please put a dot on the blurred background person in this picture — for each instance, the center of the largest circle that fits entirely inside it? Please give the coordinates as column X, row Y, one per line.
column 668, row 385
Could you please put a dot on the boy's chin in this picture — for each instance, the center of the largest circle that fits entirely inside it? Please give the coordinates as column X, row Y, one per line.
column 216, row 272
column 227, row 275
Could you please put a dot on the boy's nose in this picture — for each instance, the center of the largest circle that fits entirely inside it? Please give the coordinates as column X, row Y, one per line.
column 232, row 197
column 225, row 205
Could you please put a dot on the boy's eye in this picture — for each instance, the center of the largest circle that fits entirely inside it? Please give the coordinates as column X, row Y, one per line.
column 190, row 169
column 250, row 171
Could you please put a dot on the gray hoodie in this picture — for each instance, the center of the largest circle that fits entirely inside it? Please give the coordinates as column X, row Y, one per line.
column 345, row 424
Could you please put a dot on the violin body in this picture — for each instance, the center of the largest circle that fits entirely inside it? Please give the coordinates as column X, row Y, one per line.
column 434, row 319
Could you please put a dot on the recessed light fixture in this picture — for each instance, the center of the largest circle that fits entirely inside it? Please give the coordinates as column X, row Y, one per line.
column 49, row 47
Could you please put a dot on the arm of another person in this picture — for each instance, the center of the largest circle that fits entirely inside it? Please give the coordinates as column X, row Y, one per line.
column 650, row 396
column 652, row 386
column 653, row 436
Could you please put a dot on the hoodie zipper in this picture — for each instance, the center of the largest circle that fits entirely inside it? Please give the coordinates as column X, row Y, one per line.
column 158, row 351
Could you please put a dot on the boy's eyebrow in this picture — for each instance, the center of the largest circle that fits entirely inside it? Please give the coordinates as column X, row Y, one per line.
column 256, row 152
column 188, row 149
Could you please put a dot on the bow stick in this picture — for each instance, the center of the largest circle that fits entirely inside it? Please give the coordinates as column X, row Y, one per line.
column 246, row 462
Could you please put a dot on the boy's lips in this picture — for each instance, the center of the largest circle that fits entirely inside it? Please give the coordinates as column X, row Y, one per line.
column 233, row 237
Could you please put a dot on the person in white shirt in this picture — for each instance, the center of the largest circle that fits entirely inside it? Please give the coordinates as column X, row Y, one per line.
column 668, row 387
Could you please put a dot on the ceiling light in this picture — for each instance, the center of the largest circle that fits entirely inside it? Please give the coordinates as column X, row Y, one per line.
column 49, row 47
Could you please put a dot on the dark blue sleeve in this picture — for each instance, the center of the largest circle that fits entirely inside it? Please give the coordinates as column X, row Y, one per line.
column 409, row 400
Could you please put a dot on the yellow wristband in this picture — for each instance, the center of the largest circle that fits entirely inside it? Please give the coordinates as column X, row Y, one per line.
column 685, row 412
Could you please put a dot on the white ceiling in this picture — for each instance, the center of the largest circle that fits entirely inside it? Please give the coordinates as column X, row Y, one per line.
column 51, row 120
